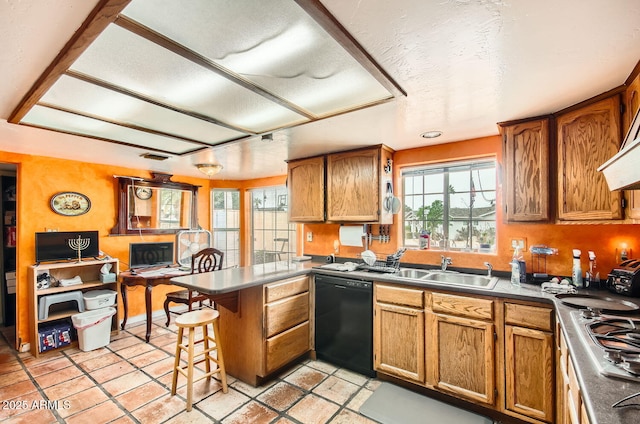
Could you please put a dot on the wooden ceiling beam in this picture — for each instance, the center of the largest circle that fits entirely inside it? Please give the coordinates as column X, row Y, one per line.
column 329, row 23
column 105, row 12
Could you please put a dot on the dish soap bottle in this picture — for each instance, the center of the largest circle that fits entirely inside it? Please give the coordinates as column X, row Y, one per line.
column 576, row 272
column 515, row 268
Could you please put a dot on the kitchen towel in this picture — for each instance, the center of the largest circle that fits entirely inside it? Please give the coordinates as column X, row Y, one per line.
column 351, row 235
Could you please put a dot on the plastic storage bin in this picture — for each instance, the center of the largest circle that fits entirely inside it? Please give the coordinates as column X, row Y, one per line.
column 94, row 328
column 96, row 299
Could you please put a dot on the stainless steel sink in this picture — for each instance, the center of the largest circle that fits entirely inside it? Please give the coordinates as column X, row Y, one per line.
column 463, row 280
column 448, row 278
column 414, row 274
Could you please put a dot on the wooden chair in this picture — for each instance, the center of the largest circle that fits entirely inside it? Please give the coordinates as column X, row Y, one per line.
column 206, row 260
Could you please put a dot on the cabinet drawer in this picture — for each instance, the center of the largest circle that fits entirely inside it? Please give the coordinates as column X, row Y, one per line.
column 528, row 316
column 290, row 287
column 286, row 346
column 286, row 313
column 462, row 306
column 399, row 296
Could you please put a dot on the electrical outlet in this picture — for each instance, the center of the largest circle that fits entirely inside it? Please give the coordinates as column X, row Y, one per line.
column 309, row 236
column 519, row 243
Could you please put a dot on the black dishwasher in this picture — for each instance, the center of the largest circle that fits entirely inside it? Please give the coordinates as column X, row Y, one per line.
column 344, row 323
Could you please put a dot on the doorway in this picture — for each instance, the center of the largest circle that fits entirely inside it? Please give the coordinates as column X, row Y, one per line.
column 8, row 210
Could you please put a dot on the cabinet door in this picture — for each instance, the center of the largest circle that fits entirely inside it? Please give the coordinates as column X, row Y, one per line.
column 306, row 190
column 588, row 137
column 529, row 372
column 632, row 102
column 462, row 352
column 398, row 341
column 526, row 162
column 353, row 186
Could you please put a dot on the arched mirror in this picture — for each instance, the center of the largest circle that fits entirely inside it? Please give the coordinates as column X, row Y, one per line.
column 157, row 206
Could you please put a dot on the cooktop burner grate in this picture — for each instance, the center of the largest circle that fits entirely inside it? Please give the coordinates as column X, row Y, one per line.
column 622, row 334
column 608, row 341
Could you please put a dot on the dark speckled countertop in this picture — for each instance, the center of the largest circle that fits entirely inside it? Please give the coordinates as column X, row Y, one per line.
column 599, row 392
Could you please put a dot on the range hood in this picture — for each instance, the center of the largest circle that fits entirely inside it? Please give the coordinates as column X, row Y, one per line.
column 623, row 171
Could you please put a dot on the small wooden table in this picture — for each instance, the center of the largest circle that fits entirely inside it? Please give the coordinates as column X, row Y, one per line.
column 129, row 279
column 149, row 280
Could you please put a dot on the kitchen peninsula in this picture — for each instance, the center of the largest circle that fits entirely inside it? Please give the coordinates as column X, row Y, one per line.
column 279, row 296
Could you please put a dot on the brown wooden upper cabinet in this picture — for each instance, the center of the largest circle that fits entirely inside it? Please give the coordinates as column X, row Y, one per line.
column 306, row 189
column 351, row 186
column 587, row 137
column 526, row 165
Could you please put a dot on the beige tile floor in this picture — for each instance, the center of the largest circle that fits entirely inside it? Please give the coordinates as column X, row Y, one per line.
column 129, row 381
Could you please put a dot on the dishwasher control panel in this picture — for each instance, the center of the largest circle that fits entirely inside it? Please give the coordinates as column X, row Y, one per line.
column 358, row 284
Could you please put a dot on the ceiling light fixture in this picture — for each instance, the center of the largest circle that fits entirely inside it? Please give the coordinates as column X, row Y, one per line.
column 209, row 169
column 431, row 134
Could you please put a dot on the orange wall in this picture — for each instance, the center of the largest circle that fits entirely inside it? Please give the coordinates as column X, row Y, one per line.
column 603, row 239
column 41, row 177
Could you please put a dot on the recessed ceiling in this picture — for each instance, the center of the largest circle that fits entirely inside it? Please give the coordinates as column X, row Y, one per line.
column 464, row 65
column 177, row 78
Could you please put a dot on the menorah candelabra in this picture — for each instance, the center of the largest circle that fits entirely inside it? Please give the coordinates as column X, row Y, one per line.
column 79, row 245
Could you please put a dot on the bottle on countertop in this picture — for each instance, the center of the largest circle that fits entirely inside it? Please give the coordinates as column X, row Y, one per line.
column 515, row 267
column 576, row 271
column 590, row 280
column 425, row 240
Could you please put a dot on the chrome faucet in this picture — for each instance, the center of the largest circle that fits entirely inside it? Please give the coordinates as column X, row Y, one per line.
column 444, row 262
column 489, row 268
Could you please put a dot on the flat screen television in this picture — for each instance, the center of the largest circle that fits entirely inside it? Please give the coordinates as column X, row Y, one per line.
column 145, row 255
column 62, row 245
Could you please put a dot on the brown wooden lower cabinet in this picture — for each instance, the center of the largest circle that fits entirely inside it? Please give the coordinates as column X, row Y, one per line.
column 529, row 372
column 270, row 329
column 460, row 345
column 462, row 353
column 529, row 361
column 571, row 409
column 398, row 332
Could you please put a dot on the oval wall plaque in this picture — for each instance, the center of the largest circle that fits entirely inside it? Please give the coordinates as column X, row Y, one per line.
column 70, row 203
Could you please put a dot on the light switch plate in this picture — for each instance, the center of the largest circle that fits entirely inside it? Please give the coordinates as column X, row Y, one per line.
column 520, row 243
column 309, row 236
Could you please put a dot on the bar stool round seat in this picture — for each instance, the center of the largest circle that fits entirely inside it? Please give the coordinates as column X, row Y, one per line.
column 211, row 343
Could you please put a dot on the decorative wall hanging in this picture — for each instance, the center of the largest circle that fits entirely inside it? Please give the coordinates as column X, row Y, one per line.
column 70, row 203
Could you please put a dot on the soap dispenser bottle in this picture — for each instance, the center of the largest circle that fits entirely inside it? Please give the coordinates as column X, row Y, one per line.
column 590, row 280
column 576, row 272
column 515, row 268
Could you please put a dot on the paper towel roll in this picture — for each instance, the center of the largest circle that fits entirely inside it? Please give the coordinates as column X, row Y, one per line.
column 351, row 236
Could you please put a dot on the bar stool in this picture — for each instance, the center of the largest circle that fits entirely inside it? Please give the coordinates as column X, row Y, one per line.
column 191, row 321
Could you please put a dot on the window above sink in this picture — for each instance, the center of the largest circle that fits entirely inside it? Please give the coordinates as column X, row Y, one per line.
column 454, row 202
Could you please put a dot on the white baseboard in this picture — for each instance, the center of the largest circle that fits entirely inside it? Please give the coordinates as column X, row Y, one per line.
column 154, row 315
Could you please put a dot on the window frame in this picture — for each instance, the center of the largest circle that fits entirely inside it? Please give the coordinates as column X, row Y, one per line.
column 278, row 253
column 229, row 259
column 470, row 223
